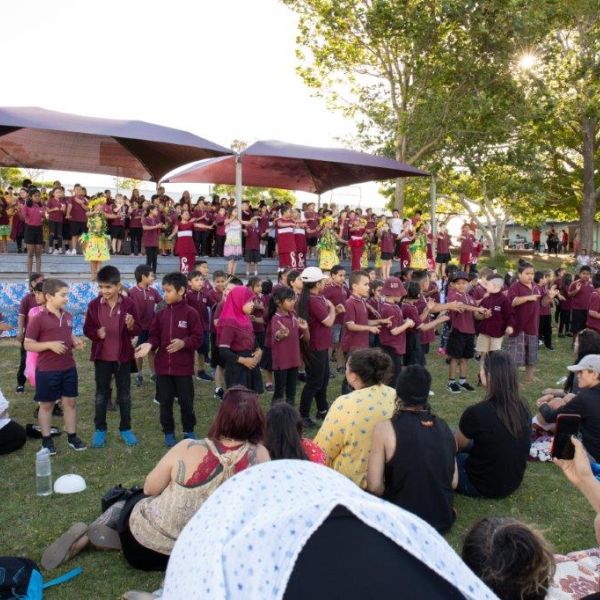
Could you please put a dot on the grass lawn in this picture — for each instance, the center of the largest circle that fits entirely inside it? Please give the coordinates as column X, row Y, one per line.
column 29, row 523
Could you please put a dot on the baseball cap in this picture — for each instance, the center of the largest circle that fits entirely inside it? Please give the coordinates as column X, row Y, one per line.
column 312, row 275
column 591, row 362
column 460, row 275
column 392, row 286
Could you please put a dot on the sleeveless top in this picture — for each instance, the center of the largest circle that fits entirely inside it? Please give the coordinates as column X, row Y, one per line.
column 418, row 477
column 157, row 521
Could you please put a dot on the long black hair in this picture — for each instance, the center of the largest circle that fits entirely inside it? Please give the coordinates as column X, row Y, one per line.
column 283, row 437
column 503, row 392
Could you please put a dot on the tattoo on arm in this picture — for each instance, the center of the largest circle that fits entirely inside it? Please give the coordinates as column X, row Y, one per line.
column 252, row 458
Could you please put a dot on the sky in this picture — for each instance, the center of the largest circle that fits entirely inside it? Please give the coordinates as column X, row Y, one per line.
column 222, row 69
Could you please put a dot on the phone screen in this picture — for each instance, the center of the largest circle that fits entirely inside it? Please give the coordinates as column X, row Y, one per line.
column 566, row 426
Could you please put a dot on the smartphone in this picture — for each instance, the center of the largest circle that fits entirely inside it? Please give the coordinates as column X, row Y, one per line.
column 566, row 426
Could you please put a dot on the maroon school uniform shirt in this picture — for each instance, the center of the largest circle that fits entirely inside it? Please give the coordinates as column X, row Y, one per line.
column 545, row 309
column 356, row 312
column 33, row 215
column 47, row 327
column 443, row 244
column 27, row 303
column 285, row 352
column 78, row 212
column 397, row 342
column 477, row 293
column 150, row 237
column 427, row 337
column 197, row 300
column 501, row 308
column 337, row 294
column 252, row 238
column 260, row 311
column 220, row 225
column 409, row 311
column 594, row 305
column 175, row 321
column 463, row 322
column 237, row 340
column 145, row 300
column 387, row 242
column 526, row 316
column 135, row 218
column 55, row 216
column 581, row 300
column 110, row 319
column 320, row 335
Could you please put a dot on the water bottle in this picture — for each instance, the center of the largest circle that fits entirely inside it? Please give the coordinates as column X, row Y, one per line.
column 43, row 473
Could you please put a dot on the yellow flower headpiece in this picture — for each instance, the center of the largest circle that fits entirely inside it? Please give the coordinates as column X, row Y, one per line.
column 96, row 202
column 325, row 220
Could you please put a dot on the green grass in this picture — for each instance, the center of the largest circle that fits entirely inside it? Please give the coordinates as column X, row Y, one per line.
column 28, row 523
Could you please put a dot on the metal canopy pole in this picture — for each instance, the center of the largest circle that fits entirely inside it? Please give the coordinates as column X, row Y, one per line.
column 238, row 183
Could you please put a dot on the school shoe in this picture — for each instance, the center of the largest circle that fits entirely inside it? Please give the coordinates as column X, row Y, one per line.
column 49, row 445
column 99, row 439
column 170, row 440
column 269, row 388
column 139, row 379
column 203, row 376
column 20, row 389
column 76, row 444
column 302, row 376
column 454, row 388
column 129, row 437
column 320, row 414
column 155, row 401
column 189, row 435
column 307, row 422
column 551, row 348
column 219, row 393
column 467, row 386
column 441, row 352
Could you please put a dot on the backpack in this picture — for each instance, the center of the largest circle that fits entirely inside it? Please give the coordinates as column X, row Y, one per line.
column 20, row 579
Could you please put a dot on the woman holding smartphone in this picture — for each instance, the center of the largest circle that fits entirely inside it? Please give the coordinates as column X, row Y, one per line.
column 493, row 439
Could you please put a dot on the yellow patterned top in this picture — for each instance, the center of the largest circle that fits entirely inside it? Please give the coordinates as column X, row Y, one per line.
column 345, row 435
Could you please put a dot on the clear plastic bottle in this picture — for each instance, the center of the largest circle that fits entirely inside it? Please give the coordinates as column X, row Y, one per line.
column 43, row 473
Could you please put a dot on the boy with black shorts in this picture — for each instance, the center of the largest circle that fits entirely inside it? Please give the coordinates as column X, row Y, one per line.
column 50, row 334
column 461, row 340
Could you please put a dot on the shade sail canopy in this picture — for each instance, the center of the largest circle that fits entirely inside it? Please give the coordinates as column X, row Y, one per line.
column 294, row 167
column 46, row 139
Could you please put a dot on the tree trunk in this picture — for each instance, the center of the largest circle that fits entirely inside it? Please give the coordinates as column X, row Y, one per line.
column 588, row 208
column 399, row 196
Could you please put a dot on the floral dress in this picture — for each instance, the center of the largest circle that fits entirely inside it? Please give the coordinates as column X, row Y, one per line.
column 233, row 241
column 328, row 256
column 96, row 241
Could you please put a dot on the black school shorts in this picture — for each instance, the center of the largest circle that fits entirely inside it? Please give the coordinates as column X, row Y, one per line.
column 460, row 345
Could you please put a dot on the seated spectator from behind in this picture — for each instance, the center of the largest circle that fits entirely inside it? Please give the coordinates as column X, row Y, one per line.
column 12, row 435
column 494, row 435
column 412, row 461
column 284, row 439
column 150, row 522
column 586, row 404
column 345, row 434
column 512, row 559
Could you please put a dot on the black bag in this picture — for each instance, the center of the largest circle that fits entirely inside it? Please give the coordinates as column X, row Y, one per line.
column 116, row 493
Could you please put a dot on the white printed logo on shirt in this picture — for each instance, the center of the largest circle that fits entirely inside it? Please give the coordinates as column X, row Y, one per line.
column 182, row 324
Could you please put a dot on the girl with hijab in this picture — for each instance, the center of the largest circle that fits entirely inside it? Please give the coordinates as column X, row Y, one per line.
column 237, row 343
column 290, row 529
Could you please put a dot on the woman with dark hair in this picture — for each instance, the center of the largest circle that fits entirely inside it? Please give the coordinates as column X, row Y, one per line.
column 146, row 527
column 493, row 438
column 514, row 560
column 284, row 436
column 412, row 461
column 345, row 435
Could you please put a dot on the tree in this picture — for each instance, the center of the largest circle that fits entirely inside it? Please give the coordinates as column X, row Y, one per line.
column 413, row 73
column 563, row 87
column 255, row 194
column 10, row 176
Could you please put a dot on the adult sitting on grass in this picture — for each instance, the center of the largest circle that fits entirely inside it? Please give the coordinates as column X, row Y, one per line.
column 283, row 438
column 586, row 404
column 586, row 342
column 512, row 559
column 494, row 435
column 346, row 431
column 146, row 527
column 412, row 461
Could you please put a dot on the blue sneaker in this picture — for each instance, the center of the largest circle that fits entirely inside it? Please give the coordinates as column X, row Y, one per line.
column 99, row 439
column 129, row 437
column 189, row 435
column 170, row 440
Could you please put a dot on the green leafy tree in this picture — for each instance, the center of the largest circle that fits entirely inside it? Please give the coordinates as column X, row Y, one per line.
column 11, row 176
column 255, row 194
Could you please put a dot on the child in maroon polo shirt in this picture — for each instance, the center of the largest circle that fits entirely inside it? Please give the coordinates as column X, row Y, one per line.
column 197, row 298
column 337, row 293
column 252, row 246
column 593, row 319
column 145, row 297
column 461, row 341
column 286, row 331
column 111, row 322
column 357, row 324
column 581, row 293
column 493, row 328
column 50, row 334
column 175, row 334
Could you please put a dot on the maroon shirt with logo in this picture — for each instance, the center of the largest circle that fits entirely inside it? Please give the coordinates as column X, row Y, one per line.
column 285, row 352
column 78, row 212
column 581, row 300
column 56, row 215
column 526, row 316
column 427, row 337
column 463, row 322
column 33, row 215
column 27, row 303
column 252, row 238
column 145, row 300
column 356, row 312
column 397, row 342
column 337, row 294
column 47, row 327
column 110, row 319
column 501, row 308
column 320, row 335
column 150, row 237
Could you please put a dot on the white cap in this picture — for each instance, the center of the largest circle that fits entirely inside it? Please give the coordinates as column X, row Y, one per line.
column 591, row 362
column 69, row 484
column 312, row 275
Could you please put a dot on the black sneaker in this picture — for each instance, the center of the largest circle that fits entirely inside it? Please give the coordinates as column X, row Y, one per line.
column 76, row 444
column 57, row 411
column 307, row 422
column 49, row 445
column 204, row 376
column 20, row 389
column 301, row 376
column 320, row 414
column 549, row 347
column 219, row 393
column 454, row 388
column 467, row 386
column 139, row 380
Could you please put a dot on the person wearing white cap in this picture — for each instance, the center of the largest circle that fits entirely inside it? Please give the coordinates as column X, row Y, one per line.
column 320, row 315
column 586, row 404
